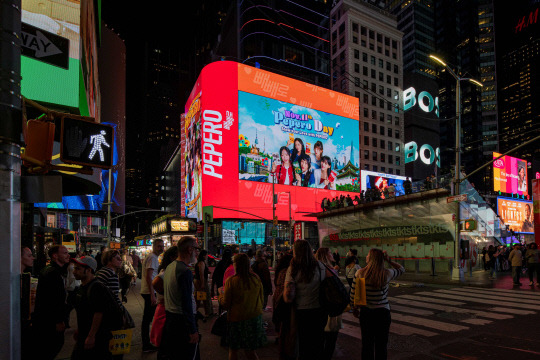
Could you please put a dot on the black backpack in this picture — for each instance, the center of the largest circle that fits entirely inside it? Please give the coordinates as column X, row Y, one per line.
column 114, row 316
column 333, row 296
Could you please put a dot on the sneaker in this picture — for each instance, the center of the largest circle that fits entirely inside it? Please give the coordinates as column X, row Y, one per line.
column 149, row 348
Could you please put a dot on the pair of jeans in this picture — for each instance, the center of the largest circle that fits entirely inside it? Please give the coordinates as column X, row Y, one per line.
column 533, row 267
column 375, row 326
column 175, row 339
column 310, row 323
column 516, row 274
column 148, row 316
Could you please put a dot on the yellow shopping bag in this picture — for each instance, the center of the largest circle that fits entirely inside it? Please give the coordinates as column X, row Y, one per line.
column 360, row 292
column 120, row 342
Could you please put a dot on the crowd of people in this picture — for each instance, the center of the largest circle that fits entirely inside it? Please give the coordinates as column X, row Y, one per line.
column 175, row 288
column 520, row 259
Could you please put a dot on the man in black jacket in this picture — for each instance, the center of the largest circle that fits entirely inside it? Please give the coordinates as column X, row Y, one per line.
column 50, row 308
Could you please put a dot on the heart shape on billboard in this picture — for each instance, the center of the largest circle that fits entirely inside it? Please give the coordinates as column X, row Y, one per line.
column 248, row 184
column 293, row 100
column 331, row 94
column 247, row 70
column 294, row 207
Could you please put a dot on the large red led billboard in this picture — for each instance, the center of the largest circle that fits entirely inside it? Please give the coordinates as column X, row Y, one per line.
column 246, row 128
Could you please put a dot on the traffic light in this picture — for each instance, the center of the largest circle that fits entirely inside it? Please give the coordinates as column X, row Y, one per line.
column 275, row 220
column 468, row 225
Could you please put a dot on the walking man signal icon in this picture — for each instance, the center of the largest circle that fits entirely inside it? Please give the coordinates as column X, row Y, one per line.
column 98, row 140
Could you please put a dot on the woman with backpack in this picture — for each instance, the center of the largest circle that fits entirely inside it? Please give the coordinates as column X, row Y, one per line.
column 302, row 284
column 243, row 298
column 375, row 315
column 334, row 323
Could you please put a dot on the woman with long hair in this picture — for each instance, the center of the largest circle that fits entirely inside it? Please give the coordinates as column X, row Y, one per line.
column 297, row 150
column 201, row 283
column 243, row 298
column 302, row 284
column 323, row 178
column 375, row 315
column 333, row 324
column 279, row 282
column 159, row 316
column 284, row 172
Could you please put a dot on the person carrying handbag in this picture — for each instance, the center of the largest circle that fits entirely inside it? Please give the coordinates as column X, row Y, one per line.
column 126, row 273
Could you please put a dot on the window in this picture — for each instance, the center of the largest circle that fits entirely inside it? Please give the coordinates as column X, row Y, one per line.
column 366, row 98
column 397, row 147
column 381, row 76
column 381, row 63
column 396, row 120
column 355, row 39
column 390, row 170
column 354, row 27
column 356, row 54
column 386, row 52
column 379, row 37
column 357, row 94
column 374, row 142
column 373, row 87
column 364, row 56
column 386, row 41
column 381, row 117
column 366, row 140
column 383, row 169
column 334, row 49
column 381, row 89
column 396, row 95
column 364, row 70
column 363, row 42
column 396, row 81
column 334, row 35
column 388, row 92
column 398, row 162
column 357, row 81
column 388, row 79
column 374, row 128
column 374, row 155
column 394, row 56
column 371, row 47
column 381, row 130
column 390, row 159
column 382, row 144
column 366, row 166
column 394, row 44
column 379, row 49
column 390, row 146
column 371, row 34
column 375, row 168
column 389, row 132
column 398, row 172
column 365, row 82
column 383, row 158
column 366, row 112
column 363, row 30
column 366, row 126
column 342, row 55
column 396, row 70
column 397, row 134
column 381, row 103
column 388, row 66
column 373, row 60
column 389, row 119
column 342, row 28
column 373, row 100
column 374, row 117
column 356, row 67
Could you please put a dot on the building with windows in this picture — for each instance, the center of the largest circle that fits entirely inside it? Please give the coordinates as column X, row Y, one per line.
column 367, row 63
column 286, row 37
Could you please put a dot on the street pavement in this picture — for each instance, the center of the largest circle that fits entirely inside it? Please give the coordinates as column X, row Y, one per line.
column 431, row 319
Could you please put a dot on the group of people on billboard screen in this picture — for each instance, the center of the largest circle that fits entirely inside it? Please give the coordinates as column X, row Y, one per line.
column 192, row 161
column 289, row 144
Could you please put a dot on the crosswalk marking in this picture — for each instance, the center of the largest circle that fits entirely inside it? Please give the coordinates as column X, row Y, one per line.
column 485, row 296
column 412, row 310
column 476, row 321
column 516, row 292
column 500, row 309
column 439, row 325
column 518, row 295
column 438, row 301
column 481, row 313
column 483, row 301
column 351, row 327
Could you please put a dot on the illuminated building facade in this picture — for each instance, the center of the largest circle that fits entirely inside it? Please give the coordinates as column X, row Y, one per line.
column 367, row 63
column 518, row 72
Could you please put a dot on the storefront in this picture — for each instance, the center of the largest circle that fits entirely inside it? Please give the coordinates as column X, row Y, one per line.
column 170, row 228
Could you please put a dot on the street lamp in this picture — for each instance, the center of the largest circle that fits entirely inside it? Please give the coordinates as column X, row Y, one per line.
column 455, row 269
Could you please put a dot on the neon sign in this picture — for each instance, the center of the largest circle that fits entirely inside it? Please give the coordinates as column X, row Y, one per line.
column 409, row 101
column 412, row 155
column 526, row 21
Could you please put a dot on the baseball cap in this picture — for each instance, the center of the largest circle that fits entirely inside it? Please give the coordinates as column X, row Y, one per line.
column 87, row 261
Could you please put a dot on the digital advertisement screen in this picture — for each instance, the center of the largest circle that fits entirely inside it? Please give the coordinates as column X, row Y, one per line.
column 290, row 144
column 234, row 232
column 381, row 181
column 42, row 81
column 517, row 214
column 238, row 122
column 510, row 175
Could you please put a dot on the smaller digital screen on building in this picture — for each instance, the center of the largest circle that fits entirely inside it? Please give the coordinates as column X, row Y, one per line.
column 381, row 181
column 510, row 175
column 516, row 214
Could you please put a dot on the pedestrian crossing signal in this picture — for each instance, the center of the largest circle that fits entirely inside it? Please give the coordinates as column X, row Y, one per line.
column 469, row 225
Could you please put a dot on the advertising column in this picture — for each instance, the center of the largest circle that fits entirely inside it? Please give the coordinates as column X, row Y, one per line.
column 536, row 205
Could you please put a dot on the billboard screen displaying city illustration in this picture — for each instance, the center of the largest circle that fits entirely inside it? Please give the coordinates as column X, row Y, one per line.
column 371, row 180
column 239, row 121
column 294, row 145
column 517, row 214
column 510, row 175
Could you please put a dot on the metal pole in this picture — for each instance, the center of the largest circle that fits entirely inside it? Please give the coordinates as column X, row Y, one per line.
column 109, row 210
column 10, row 177
column 273, row 221
column 456, row 271
column 290, row 220
column 206, row 232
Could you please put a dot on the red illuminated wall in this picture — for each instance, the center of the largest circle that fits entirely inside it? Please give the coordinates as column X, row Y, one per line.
column 219, row 84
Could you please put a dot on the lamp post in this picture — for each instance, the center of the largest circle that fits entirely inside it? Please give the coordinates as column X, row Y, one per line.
column 456, row 271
